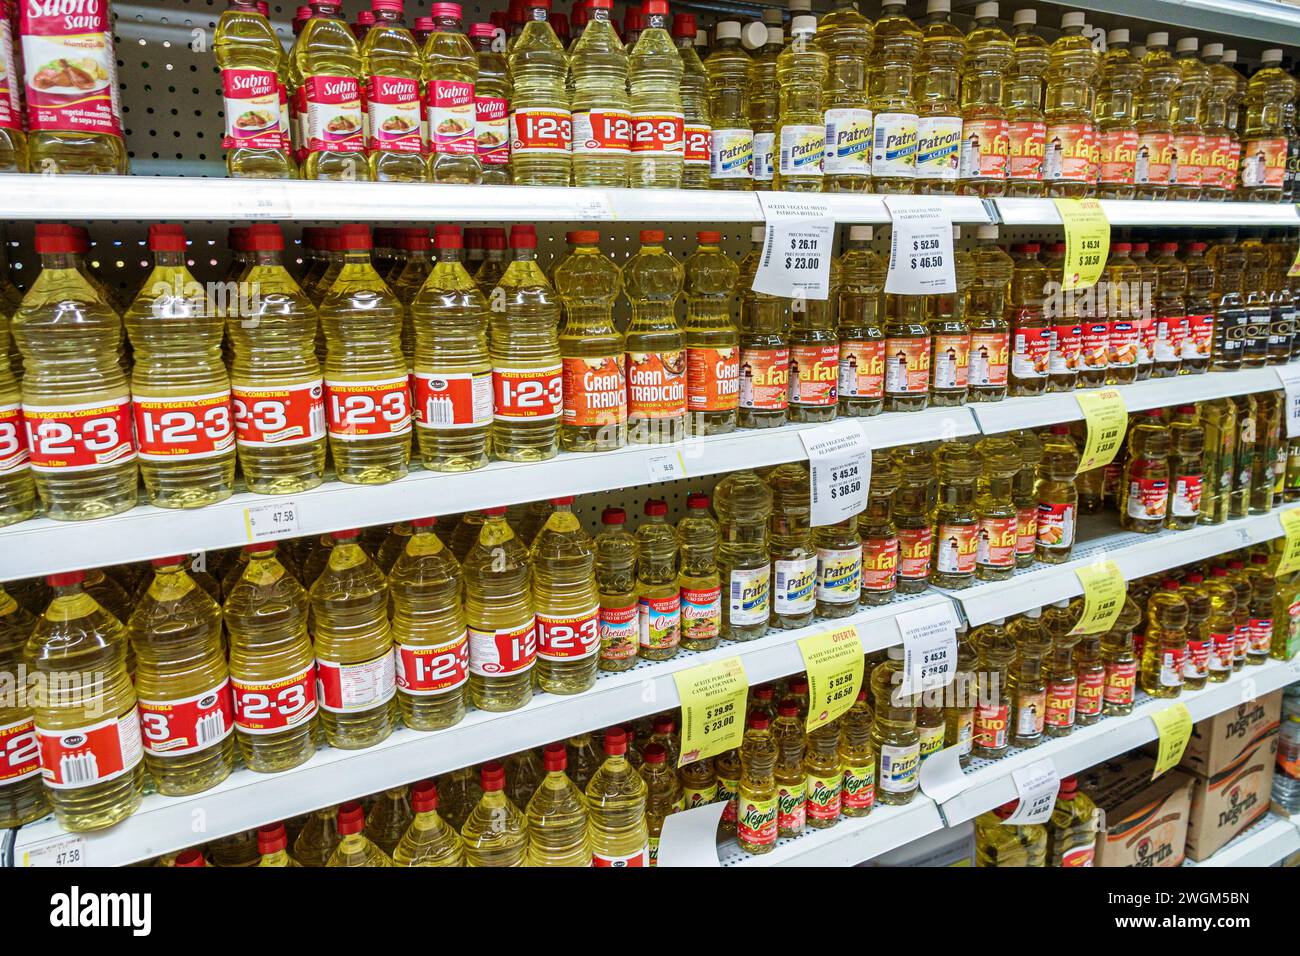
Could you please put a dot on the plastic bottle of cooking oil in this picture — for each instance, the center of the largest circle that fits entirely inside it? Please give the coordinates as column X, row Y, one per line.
column 950, row 336
column 1031, row 329
column 368, row 401
column 452, row 382
column 1071, row 76
column 1000, row 460
column 824, row 776
column 616, row 805
column 801, row 72
column 936, row 87
column 1061, row 708
column 84, row 708
column 985, row 143
column 182, row 681
column 595, row 388
column 1072, row 828
column 252, row 65
column 1146, row 474
column 326, row 79
column 656, row 344
column 1268, row 425
column 862, row 339
column 541, row 126
column 1228, row 260
column 794, row 561
column 459, row 793
column 956, row 522
column 566, row 601
column 764, row 350
column 388, row 816
column 859, row 755
column 1264, row 587
column 492, row 94
column 17, row 489
column 916, row 489
column 1263, row 133
column 743, row 503
column 557, row 816
column 895, row 744
column 712, row 339
column 698, row 129
column 1023, row 495
column 839, row 567
column 499, row 611
column 1116, row 116
column 1160, row 79
column 1241, row 585
column 1058, row 500
column 495, row 833
column 1026, row 685
column 658, row 599
column 75, row 397
column 616, row 583
column 880, row 536
column 960, row 699
column 907, row 354
column 355, row 848
column 1258, row 311
column 1187, row 115
column 1199, row 340
column 1220, row 627
column 844, row 36
column 272, row 667
column 729, row 68
column 894, row 135
column 791, row 780
column 22, row 795
column 663, row 793
column 698, row 582
column 996, row 648
column 602, row 113
column 1196, row 663
column 356, row 680
column 451, row 72
column 393, row 87
column 1219, row 125
column 756, row 818
column 1017, row 845
column 658, row 120
column 1170, row 312
column 1119, row 662
column 984, row 310
column 764, row 104
column 318, row 838
column 429, row 840
column 699, row 783
column 814, row 355
column 1023, row 97
column 1164, row 650
column 428, row 625
column 1186, row 468
column 527, row 372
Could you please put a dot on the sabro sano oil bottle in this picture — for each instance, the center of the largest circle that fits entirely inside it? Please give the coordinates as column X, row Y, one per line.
column 393, row 87
column 566, row 603
column 451, row 70
column 499, row 612
column 252, row 62
column 325, row 72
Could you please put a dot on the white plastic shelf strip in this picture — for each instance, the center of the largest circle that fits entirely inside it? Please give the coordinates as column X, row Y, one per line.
column 1147, row 213
column 1270, row 839
column 1274, row 22
column 247, row 799
column 1136, row 554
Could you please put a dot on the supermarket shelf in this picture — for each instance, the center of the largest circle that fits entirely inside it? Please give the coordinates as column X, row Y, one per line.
column 1136, row 554
column 849, row 842
column 184, row 199
column 987, row 783
column 1011, row 413
column 246, row 799
column 1271, row 839
column 1272, row 22
column 1150, row 213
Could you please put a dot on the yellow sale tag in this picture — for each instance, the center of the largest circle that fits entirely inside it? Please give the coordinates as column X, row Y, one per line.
column 834, row 662
column 1295, row 263
column 1174, row 725
column 1106, row 419
column 1087, row 242
column 1290, row 559
column 713, row 708
column 1103, row 597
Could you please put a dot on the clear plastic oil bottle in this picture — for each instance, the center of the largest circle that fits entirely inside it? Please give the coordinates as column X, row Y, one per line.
column 354, row 847
column 602, row 112
column 801, row 73
column 861, row 388
column 1116, row 116
column 814, row 355
column 844, row 35
column 252, row 62
column 1263, row 590
column 1187, row 115
column 541, row 125
column 992, row 731
column 499, row 611
column 764, row 391
column 429, row 840
column 913, row 501
column 950, row 336
column 1164, row 650
column 712, row 339
column 656, row 344
column 1145, row 486
column 1228, row 260
column 658, row 121
column 1023, row 97
column 1030, row 448
column 495, row 833
column 663, row 793
column 880, row 535
column 1220, row 626
column 895, row 743
column 394, row 88
column 984, row 309
column 1263, row 134
column 698, row 583
column 22, row 795
column 907, row 354
column 698, row 128
column 557, row 816
column 729, row 69
column 1018, row 845
column 659, row 614
column 839, row 568
column 985, row 143
column 1186, row 468
column 566, row 603
column 1058, row 499
column 1244, row 591
column 492, row 94
column 794, row 561
column 957, row 466
column 1196, row 662
column 1219, row 125
column 451, row 72
column 592, row 349
column 1160, row 79
column 1120, row 662
column 1071, row 78
column 1026, row 682
column 616, row 584
column 764, row 106
column 824, row 775
column 756, row 816
column 743, row 503
column 790, row 777
column 896, row 48
column 326, row 77
column 1030, row 326
column 1199, row 343
column 616, row 809
column 938, row 103
column 1000, row 461
column 859, row 758
column 1170, row 312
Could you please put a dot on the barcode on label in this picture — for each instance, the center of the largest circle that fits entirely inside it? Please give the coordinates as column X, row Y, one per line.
column 209, row 728
column 441, row 411
column 80, row 768
column 735, row 590
column 785, row 158
column 780, row 582
column 880, row 137
column 830, row 135
column 768, row 246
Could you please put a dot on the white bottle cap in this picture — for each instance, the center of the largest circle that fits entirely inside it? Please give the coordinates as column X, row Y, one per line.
column 1034, row 612
column 1230, row 57
column 753, row 35
column 986, row 232
column 805, row 24
column 999, row 621
column 1187, row 45
column 1271, row 55
column 1074, row 18
column 773, row 17
column 1212, row 49
column 757, row 233
column 727, row 30
column 860, row 232
column 1160, row 38
column 701, row 38
column 775, row 35
column 956, row 233
column 895, row 653
column 986, row 11
column 1065, row 603
column 938, row 6
column 1119, row 35
column 799, row 6
column 1029, row 16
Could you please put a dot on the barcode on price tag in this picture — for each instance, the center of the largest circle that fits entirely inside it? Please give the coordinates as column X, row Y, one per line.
column 1289, row 375
column 839, row 470
column 1036, row 788
column 929, row 647
column 60, row 851
column 274, row 520
column 920, row 252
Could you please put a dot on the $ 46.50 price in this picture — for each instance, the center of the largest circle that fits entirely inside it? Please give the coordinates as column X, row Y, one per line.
column 810, row 262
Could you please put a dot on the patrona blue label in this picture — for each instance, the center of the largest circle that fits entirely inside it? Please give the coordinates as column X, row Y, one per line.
column 732, row 155
column 796, row 583
column 938, row 146
column 748, row 599
column 848, row 142
column 893, row 148
column 802, row 150
column 839, row 575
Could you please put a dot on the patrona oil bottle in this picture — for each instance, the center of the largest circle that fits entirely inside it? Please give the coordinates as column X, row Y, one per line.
column 1263, row 135
column 182, row 680
column 499, row 612
column 252, row 64
column 801, row 72
column 591, row 349
column 985, row 142
column 895, row 743
column 1023, row 96
column 1071, row 78
column 862, row 338
column 656, row 344
column 658, row 121
column 326, row 74
column 764, row 106
column 392, row 83
column 1116, row 116
column 712, row 339
column 184, row 424
column 541, row 124
column 844, row 35
column 892, row 66
column 764, row 390
column 452, row 381
column 794, row 561
column 616, row 563
column 602, row 112
column 743, row 503
column 566, row 603
column 659, row 612
column 729, row 68
column 938, row 104
column 87, row 722
column 698, row 582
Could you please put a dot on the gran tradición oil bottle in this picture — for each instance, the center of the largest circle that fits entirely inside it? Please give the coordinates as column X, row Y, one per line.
column 656, row 344
column 955, row 517
column 764, row 350
column 880, row 538
column 794, row 561
column 892, row 66
column 1164, row 649
column 697, row 576
column 1116, row 116
column 1072, row 74
column 743, row 503
column 1058, row 500
column 938, row 102
column 862, row 339
column 591, row 347
column 985, row 133
column 712, row 339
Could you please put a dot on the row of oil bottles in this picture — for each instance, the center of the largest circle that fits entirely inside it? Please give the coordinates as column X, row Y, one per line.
column 843, row 105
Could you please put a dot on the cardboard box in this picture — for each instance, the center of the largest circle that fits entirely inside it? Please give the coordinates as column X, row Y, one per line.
column 1231, row 800
column 1144, row 821
column 1222, row 740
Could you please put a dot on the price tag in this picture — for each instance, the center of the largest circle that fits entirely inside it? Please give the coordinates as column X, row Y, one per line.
column 929, row 647
column 1103, row 597
column 920, row 252
column 274, row 520
column 839, row 470
column 1106, row 419
column 1290, row 559
column 1289, row 375
column 1295, row 266
column 266, row 202
column 1036, row 788
column 1174, row 725
column 1087, row 242
column 796, row 259
column 713, row 708
column 593, row 206
column 666, row 467
column 834, row 662
column 65, row 850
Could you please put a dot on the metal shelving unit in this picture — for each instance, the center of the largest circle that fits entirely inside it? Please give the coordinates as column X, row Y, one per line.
column 1271, row 839
column 1146, row 213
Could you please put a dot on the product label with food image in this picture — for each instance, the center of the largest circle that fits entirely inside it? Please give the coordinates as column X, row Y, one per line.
column 988, row 358
column 568, row 637
column 765, row 379
column 1148, row 498
column 453, row 399
column 251, row 101
column 492, row 130
column 1031, row 348
column 603, row 132
column 907, row 365
column 997, row 542
column 814, row 374
column 1171, row 331
column 893, row 145
column 1200, row 337
column 1263, row 162
column 619, row 632
column 1095, row 345
column 1196, row 664
column 1055, row 525
column 659, row 622
column 182, row 429
column 333, row 107
column 1062, row 698
column 791, row 806
column 701, row 613
column 1092, row 685
column 712, row 379
column 848, row 142
column 915, row 549
column 79, row 437
column 1261, row 635
column 452, row 112
column 1066, row 159
column 393, row 107
column 1066, row 350
column 537, row 132
column 595, row 391
column 1187, row 496
column 1124, row 343
column 656, row 384
column 1027, row 146
column 985, row 145
column 862, row 368
column 70, row 68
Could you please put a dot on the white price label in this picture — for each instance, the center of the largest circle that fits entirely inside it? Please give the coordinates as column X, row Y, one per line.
column 594, row 206
column 920, row 253
column 1036, row 788
column 797, row 248
column 839, row 468
column 274, row 520
column 1289, row 375
column 268, row 202
column 67, row 850
column 929, row 647
column 669, row 467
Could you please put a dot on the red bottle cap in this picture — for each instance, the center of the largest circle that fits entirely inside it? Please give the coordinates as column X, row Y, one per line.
column 697, row 501
column 664, row 725
column 708, row 238
column 788, row 708
column 562, row 500
column 652, row 237
column 1058, row 248
column 1195, row 577
column 495, row 511
column 352, row 818
column 654, row 753
column 271, row 839
column 1124, row 247
column 52, row 239
column 1168, row 247
column 393, row 5
column 448, row 237
column 354, row 237
column 492, row 777
column 450, row 11
column 1169, row 584
column 654, row 6
column 757, row 720
column 262, row 547
column 347, row 534
column 1069, row 785
column 684, row 25
column 798, row 685
column 424, row 796
column 163, row 562
column 615, row 742
column 190, row 858
column 167, row 237
column 428, row 522
column 267, row 237
column 65, row 578
column 613, row 516
column 523, row 237
column 654, row 508
column 632, row 20
column 583, row 237
column 554, row 758
column 1196, row 247
column 416, row 240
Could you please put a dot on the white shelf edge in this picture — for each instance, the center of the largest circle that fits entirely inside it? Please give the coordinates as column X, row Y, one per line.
column 1145, row 213
column 1268, row 840
column 1270, row 22
column 246, row 799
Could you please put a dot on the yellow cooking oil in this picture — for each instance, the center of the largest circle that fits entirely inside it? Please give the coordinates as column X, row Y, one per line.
column 729, row 68
column 557, row 816
column 955, row 517
column 801, row 73
column 794, row 560
column 616, row 585
column 1145, row 486
column 895, row 742
column 1115, row 112
column 591, row 349
column 1058, row 499
column 756, row 816
column 1015, row 845
column 764, row 106
column 451, row 71
column 712, row 338
column 1160, row 79
column 616, row 809
column 355, row 848
column 252, row 62
column 896, row 48
column 656, row 344
column 658, row 598
column 1072, row 73
column 764, row 389
column 861, row 387
column 17, row 489
column 1164, row 651
column 995, row 552
column 566, row 602
column 393, row 86
column 1263, row 133
column 22, row 796
column 430, row 840
column 938, row 101
column 985, row 142
column 499, row 612
column 844, row 35
column 880, row 535
column 540, row 117
column 325, row 73
column 1023, row 96
column 743, row 503
column 698, row 582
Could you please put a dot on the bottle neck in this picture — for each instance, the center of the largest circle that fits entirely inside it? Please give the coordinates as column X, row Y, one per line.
column 59, row 260
column 168, row 260
column 447, row 25
column 266, row 257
